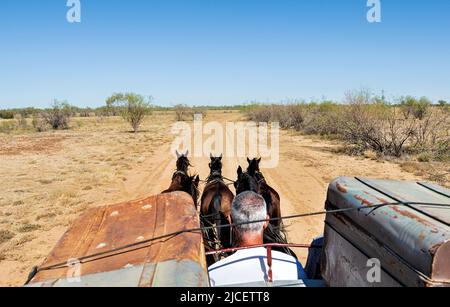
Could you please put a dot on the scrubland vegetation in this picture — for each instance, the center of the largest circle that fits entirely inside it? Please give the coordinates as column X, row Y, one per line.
column 409, row 130
column 133, row 108
column 364, row 123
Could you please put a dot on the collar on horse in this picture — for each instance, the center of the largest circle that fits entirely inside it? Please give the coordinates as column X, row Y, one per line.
column 259, row 177
column 215, row 176
column 180, row 173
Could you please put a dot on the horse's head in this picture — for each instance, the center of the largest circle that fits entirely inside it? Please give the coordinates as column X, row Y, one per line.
column 245, row 182
column 216, row 165
column 253, row 166
column 183, row 162
column 190, row 185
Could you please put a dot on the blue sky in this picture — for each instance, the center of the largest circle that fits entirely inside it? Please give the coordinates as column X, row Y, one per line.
column 221, row 51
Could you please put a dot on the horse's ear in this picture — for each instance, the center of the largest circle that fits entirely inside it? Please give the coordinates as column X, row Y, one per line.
column 178, row 154
column 221, row 156
column 187, row 153
column 259, row 160
column 211, row 156
column 197, row 180
column 239, row 170
column 248, row 160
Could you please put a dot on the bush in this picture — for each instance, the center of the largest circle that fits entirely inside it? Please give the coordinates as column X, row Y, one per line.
column 368, row 124
column 87, row 112
column 134, row 108
column 375, row 125
column 39, row 123
column 21, row 121
column 288, row 116
column 182, row 112
column 323, row 119
column 418, row 108
column 7, row 126
column 199, row 110
column 424, row 157
column 58, row 117
column 6, row 114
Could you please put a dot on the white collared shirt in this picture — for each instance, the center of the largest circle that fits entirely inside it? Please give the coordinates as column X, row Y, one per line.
column 250, row 265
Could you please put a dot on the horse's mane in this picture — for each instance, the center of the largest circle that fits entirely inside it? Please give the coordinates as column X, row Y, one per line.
column 183, row 163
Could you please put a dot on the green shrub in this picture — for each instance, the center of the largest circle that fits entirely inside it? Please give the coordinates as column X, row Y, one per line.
column 134, row 108
column 417, row 108
column 425, row 157
column 6, row 114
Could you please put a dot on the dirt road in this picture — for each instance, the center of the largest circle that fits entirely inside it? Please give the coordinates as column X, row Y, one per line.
column 305, row 169
column 48, row 180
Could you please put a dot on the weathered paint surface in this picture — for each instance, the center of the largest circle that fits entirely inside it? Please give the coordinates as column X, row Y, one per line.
column 174, row 261
column 412, row 242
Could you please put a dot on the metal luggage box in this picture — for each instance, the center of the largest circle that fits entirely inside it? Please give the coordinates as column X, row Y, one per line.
column 172, row 261
column 410, row 241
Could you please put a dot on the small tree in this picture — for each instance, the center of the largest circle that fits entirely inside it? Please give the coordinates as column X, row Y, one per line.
column 58, row 117
column 182, row 111
column 444, row 105
column 418, row 108
column 133, row 107
column 422, row 108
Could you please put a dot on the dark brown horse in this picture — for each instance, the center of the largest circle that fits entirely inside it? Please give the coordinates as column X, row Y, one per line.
column 215, row 208
column 253, row 180
column 182, row 181
column 269, row 194
column 245, row 182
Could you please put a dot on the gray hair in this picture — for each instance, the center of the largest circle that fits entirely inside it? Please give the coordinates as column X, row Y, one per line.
column 248, row 207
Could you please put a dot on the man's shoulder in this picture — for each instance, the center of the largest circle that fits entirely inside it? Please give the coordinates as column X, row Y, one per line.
column 283, row 256
column 247, row 254
column 240, row 255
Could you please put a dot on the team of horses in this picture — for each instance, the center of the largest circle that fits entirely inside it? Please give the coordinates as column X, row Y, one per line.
column 217, row 198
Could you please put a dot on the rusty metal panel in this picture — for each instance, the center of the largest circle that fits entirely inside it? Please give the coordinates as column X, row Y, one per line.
column 415, row 191
column 177, row 260
column 412, row 242
column 347, row 265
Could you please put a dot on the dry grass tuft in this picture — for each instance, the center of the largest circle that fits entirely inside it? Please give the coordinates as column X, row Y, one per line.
column 5, row 236
column 28, row 228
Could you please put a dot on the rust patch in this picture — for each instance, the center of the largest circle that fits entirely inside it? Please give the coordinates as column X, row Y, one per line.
column 380, row 199
column 341, row 188
column 99, row 227
column 433, row 250
column 364, row 201
column 410, row 215
column 422, row 236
